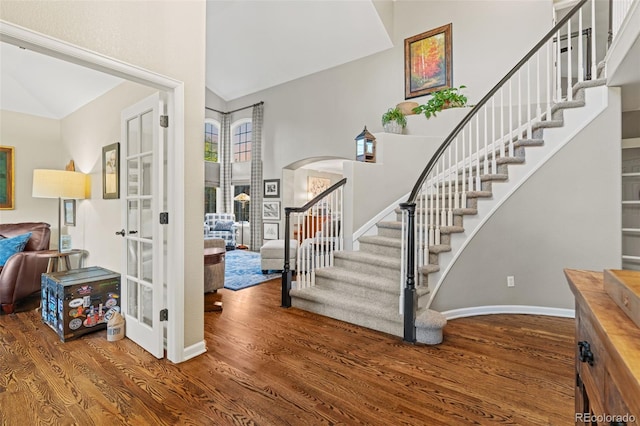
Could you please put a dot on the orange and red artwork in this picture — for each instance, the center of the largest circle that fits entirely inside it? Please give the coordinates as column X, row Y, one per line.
column 428, row 62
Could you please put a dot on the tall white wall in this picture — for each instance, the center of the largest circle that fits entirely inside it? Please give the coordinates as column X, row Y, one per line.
column 319, row 115
column 167, row 37
column 567, row 215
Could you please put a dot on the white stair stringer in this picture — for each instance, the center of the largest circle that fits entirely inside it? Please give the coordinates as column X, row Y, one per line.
column 555, row 138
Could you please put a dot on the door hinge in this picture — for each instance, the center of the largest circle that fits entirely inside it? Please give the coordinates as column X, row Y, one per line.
column 164, row 121
column 164, row 218
column 164, row 315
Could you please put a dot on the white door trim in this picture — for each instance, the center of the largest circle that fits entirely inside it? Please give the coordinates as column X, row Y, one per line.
column 38, row 42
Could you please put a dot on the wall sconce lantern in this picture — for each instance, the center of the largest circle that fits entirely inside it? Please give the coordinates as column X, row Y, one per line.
column 366, row 147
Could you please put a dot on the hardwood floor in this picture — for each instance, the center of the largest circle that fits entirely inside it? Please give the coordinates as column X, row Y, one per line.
column 267, row 365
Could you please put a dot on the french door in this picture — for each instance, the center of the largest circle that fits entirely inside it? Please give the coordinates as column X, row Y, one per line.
column 142, row 177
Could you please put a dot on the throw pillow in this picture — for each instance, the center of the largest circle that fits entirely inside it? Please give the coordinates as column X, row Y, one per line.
column 223, row 225
column 11, row 246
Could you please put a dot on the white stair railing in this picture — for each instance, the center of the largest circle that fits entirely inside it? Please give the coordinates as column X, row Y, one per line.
column 491, row 134
column 317, row 228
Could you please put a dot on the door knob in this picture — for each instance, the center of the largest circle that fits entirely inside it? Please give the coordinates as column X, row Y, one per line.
column 121, row 233
column 133, row 232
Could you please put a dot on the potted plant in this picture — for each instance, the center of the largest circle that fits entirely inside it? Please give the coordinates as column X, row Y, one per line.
column 393, row 121
column 443, row 99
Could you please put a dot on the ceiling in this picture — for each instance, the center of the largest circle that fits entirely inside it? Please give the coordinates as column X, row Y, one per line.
column 251, row 46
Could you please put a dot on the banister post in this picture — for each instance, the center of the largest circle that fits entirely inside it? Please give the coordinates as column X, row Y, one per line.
column 286, row 271
column 410, row 295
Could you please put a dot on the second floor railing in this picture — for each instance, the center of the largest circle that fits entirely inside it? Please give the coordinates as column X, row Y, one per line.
column 317, row 232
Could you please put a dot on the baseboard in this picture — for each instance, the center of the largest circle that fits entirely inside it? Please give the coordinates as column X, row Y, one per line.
column 508, row 309
column 194, row 350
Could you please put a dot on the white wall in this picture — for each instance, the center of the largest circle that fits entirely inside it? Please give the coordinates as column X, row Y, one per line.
column 567, row 215
column 167, row 37
column 38, row 145
column 84, row 133
column 320, row 115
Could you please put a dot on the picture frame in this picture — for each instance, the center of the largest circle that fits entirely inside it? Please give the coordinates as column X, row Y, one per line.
column 111, row 171
column 272, row 188
column 271, row 210
column 7, row 177
column 69, row 208
column 427, row 62
column 270, row 231
column 316, row 185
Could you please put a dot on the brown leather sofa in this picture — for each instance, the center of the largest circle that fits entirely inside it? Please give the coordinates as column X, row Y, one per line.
column 21, row 274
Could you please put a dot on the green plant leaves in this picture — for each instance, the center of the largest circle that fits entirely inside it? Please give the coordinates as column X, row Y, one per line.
column 443, row 99
column 394, row 114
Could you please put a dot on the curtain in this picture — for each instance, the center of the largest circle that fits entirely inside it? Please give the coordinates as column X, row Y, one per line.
column 255, row 212
column 226, row 205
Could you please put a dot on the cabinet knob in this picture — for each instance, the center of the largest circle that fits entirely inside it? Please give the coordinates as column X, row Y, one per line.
column 585, row 352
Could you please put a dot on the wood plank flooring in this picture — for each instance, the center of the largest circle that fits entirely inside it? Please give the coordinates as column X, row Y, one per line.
column 267, row 365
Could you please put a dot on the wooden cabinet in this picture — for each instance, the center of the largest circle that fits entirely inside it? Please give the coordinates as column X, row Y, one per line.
column 607, row 355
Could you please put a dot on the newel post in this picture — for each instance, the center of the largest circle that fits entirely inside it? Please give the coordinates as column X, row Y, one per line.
column 286, row 271
column 410, row 295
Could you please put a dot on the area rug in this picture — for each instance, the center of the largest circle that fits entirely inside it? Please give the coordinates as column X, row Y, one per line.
column 242, row 270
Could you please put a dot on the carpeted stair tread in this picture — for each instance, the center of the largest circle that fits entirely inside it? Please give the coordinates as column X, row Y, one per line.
column 528, row 142
column 382, row 241
column 368, row 258
column 439, row 248
column 429, row 268
column 509, row 160
column 360, row 279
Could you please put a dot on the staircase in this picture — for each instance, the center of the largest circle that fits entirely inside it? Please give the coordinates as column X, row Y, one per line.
column 362, row 287
column 536, row 109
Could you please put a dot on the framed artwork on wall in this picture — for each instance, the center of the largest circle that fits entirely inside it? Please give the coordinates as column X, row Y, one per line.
column 69, row 212
column 427, row 62
column 271, row 210
column 316, row 185
column 270, row 231
column 111, row 171
column 7, row 176
column 272, row 188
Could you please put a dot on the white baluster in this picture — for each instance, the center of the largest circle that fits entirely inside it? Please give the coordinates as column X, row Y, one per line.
column 594, row 65
column 569, row 63
column 580, row 49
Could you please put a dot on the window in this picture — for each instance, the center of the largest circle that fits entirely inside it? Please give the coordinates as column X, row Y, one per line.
column 242, row 142
column 211, row 141
column 210, row 199
column 211, row 131
column 241, row 211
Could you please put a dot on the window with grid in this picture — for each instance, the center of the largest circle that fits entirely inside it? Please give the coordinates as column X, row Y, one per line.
column 242, row 142
column 211, row 142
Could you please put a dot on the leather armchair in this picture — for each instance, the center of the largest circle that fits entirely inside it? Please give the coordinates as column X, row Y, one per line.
column 21, row 274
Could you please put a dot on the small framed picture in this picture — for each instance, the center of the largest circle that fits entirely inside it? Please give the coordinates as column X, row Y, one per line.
column 69, row 212
column 271, row 210
column 111, row 171
column 272, row 188
column 270, row 231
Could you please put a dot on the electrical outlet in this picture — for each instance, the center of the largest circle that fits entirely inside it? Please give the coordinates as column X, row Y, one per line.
column 511, row 281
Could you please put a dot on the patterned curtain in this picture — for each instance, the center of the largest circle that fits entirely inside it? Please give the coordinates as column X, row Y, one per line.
column 226, row 205
column 255, row 212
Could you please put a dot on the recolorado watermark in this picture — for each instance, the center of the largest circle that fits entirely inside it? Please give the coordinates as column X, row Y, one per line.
column 605, row 418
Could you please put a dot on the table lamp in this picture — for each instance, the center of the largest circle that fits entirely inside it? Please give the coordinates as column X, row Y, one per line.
column 59, row 184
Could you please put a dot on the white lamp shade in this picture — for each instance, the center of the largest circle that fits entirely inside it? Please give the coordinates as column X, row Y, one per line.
column 59, row 184
column 243, row 198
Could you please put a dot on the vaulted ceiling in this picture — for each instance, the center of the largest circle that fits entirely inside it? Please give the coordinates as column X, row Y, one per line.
column 251, row 46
